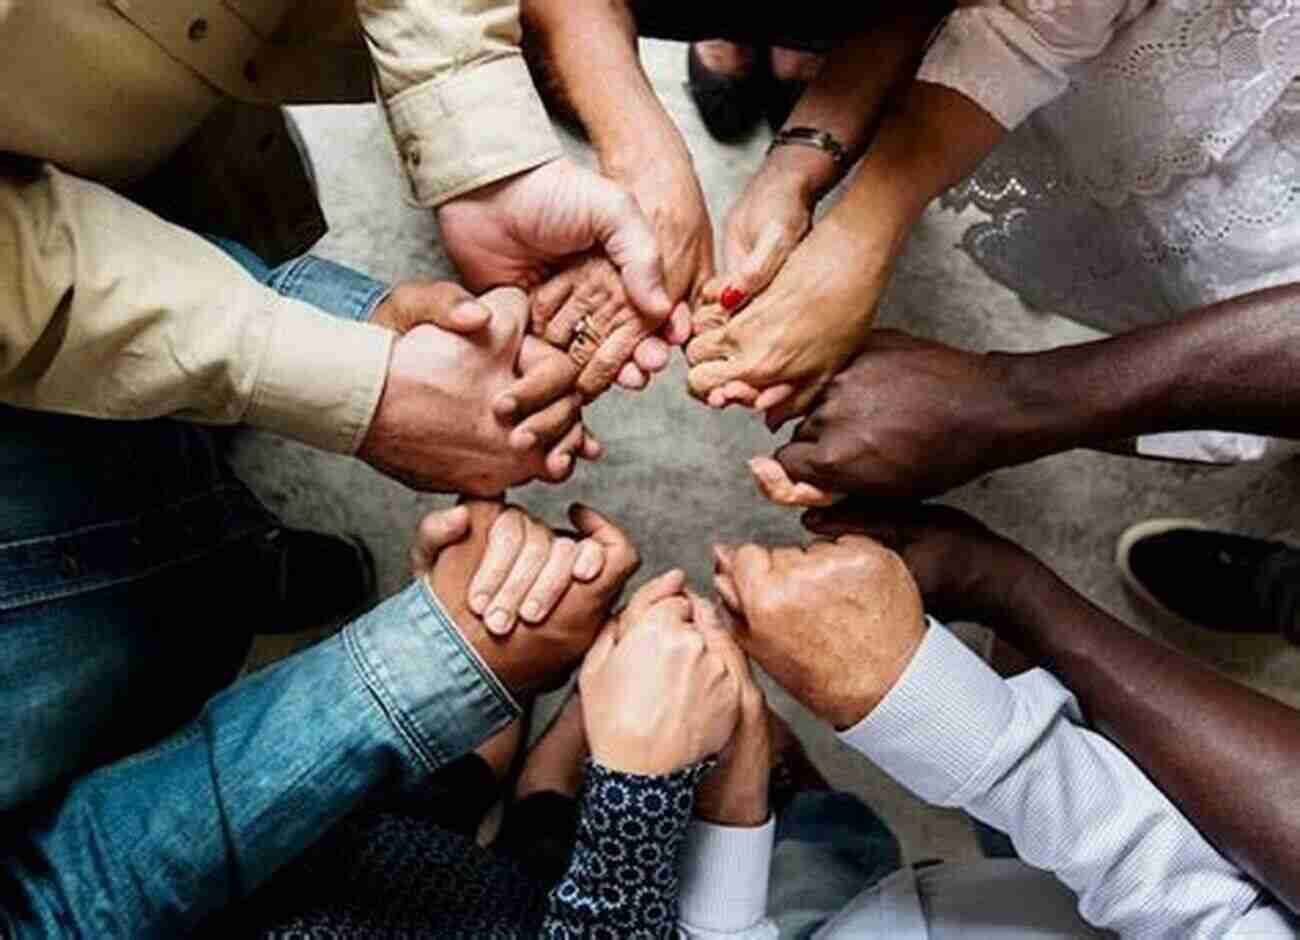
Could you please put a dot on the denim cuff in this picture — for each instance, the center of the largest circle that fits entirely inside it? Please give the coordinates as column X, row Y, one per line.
column 439, row 695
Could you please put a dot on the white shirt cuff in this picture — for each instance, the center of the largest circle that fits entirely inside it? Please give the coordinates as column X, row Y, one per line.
column 939, row 724
column 724, row 876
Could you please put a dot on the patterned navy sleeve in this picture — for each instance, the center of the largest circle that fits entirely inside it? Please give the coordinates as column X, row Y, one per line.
column 622, row 881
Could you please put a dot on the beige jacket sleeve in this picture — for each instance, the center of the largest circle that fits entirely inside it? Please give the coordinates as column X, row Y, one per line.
column 1011, row 57
column 108, row 311
column 459, row 99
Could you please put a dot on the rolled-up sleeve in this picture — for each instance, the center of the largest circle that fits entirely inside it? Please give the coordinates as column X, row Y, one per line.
column 1011, row 57
column 460, row 103
column 111, row 312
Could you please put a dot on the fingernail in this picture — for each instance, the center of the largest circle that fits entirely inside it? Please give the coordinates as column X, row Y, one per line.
column 585, row 568
column 498, row 621
column 732, row 297
column 478, row 603
column 525, row 441
column 532, row 611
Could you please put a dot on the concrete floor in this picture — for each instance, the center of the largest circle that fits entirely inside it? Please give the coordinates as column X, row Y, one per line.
column 675, row 472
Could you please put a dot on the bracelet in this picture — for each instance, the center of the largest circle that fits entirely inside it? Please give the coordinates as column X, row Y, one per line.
column 811, row 137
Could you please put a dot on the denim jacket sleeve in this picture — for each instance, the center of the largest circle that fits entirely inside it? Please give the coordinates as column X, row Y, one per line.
column 624, row 876
column 151, row 845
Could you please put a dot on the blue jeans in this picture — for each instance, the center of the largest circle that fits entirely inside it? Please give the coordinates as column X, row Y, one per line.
column 136, row 796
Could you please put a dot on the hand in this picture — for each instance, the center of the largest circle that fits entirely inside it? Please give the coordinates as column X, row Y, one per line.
column 792, row 338
column 657, row 695
column 835, row 624
column 963, row 569
column 736, row 793
column 618, row 342
column 514, row 231
column 478, row 413
column 910, row 419
column 663, row 181
column 542, row 656
column 766, row 224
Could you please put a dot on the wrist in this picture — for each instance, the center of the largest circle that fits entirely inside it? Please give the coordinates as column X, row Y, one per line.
column 650, row 145
column 741, row 808
column 849, row 708
column 806, row 171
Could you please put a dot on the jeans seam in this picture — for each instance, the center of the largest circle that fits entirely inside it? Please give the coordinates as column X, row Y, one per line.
column 387, row 706
column 88, row 584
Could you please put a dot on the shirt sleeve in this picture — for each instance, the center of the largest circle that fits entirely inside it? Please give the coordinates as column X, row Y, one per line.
column 1011, row 57
column 460, row 103
column 1015, row 755
column 623, row 877
column 110, row 312
column 725, row 872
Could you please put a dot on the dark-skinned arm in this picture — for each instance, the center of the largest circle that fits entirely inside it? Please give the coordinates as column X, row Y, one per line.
column 914, row 418
column 1226, row 755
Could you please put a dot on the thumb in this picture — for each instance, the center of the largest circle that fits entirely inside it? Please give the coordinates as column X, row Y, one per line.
column 444, row 304
column 508, row 307
column 623, row 232
column 437, row 531
column 755, row 269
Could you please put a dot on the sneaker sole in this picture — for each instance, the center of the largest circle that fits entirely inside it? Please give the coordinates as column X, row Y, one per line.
column 1136, row 533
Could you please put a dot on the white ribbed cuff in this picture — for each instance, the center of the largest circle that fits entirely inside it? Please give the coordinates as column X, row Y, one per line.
column 724, row 876
column 939, row 724
column 320, row 378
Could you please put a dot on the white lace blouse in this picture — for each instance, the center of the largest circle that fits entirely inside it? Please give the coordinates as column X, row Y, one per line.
column 1153, row 164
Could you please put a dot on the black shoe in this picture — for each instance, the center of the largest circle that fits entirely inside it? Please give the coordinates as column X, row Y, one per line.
column 315, row 580
column 782, row 96
column 730, row 106
column 1205, row 578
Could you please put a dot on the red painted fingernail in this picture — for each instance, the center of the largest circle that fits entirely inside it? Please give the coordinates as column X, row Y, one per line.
column 732, row 297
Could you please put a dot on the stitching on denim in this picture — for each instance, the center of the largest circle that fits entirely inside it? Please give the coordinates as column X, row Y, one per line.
column 18, row 600
column 382, row 696
column 448, row 626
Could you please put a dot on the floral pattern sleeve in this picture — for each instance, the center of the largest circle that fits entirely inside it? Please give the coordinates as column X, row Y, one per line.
column 623, row 879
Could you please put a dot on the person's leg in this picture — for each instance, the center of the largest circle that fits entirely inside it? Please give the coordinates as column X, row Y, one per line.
column 830, row 847
column 541, row 824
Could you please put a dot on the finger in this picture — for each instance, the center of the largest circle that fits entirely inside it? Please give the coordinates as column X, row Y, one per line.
column 725, row 585
column 560, row 462
column 592, row 449
column 708, row 621
column 803, row 461
column 724, row 558
column 652, row 354
column 632, row 378
column 736, row 392
column 505, row 539
column 551, row 583
column 589, row 561
column 621, row 557
column 504, row 609
column 622, row 230
column 776, row 485
column 709, row 347
column 751, row 572
column 793, row 406
column 653, row 592
column 548, row 300
column 703, row 379
column 772, row 397
column 437, row 531
column 678, row 328
column 586, row 301
column 760, row 265
column 617, row 349
column 547, row 374
column 548, row 426
column 509, row 322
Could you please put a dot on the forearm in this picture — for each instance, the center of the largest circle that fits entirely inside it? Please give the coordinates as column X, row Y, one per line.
column 150, row 846
column 623, row 117
column 850, row 92
column 931, row 138
column 111, row 312
column 1226, row 755
column 1233, row 366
